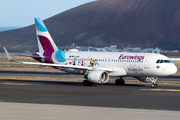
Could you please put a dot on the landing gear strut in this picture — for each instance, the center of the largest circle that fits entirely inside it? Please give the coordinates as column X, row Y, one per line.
column 120, row 81
column 153, row 80
column 87, row 83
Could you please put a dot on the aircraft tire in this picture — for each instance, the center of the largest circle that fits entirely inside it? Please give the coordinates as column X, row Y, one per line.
column 119, row 82
column 122, row 82
column 154, row 85
column 87, row 83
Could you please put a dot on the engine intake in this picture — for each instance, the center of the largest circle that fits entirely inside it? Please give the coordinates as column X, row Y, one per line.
column 98, row 77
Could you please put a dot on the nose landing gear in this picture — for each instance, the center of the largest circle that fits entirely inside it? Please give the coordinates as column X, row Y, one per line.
column 154, row 85
column 153, row 80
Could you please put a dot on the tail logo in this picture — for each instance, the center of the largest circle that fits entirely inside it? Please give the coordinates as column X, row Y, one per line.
column 40, row 25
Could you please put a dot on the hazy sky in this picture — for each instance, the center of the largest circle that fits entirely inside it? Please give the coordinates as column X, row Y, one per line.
column 22, row 12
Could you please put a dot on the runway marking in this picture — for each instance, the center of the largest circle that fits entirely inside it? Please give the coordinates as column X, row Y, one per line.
column 7, row 83
column 172, row 90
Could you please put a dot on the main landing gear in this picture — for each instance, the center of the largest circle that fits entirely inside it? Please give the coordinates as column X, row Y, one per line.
column 87, row 83
column 120, row 81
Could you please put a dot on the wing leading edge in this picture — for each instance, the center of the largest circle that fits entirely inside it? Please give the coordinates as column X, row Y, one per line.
column 60, row 65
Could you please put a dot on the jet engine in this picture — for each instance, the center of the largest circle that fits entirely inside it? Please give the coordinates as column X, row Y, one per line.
column 98, row 77
column 147, row 79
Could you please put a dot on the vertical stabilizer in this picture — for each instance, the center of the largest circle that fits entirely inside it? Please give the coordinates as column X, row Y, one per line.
column 45, row 41
column 157, row 51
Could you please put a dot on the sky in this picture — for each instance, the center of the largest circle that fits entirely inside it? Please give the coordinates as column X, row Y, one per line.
column 21, row 13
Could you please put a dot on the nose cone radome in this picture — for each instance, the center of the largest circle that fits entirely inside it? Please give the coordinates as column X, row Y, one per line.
column 172, row 69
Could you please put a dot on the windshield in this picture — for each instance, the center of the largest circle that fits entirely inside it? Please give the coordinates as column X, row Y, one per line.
column 163, row 61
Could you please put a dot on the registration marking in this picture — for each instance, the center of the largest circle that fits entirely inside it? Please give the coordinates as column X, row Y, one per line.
column 172, row 90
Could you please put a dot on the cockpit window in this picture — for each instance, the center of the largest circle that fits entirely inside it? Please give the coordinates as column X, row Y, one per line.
column 158, row 61
column 163, row 61
column 166, row 61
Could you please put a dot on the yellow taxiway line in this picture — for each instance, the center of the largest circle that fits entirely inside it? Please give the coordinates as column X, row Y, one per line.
column 7, row 83
column 172, row 90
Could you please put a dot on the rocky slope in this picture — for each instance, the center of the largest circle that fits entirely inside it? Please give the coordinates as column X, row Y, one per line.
column 126, row 23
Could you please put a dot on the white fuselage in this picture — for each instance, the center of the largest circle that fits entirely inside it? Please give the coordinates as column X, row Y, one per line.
column 124, row 63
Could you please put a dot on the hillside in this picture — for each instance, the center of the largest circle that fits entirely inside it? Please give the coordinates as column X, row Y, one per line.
column 126, row 23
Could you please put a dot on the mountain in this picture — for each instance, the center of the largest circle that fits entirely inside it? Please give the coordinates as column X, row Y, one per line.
column 8, row 28
column 126, row 23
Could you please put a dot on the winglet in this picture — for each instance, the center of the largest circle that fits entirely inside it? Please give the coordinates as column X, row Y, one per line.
column 157, row 50
column 8, row 55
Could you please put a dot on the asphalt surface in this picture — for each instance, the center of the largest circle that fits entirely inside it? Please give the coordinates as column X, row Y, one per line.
column 63, row 74
column 136, row 96
column 68, row 100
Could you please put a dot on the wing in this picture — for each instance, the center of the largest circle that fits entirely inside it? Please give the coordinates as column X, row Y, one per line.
column 61, row 65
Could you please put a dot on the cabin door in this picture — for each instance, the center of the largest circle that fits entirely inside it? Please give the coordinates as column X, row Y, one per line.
column 147, row 62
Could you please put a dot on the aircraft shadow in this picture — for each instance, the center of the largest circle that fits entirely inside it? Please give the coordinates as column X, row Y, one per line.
column 70, row 83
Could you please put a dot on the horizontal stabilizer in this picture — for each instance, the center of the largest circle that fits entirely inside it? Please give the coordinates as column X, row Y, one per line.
column 8, row 55
column 30, row 56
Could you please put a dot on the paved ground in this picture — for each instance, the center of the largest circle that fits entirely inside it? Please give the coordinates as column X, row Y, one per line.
column 66, row 75
column 141, row 96
column 23, row 111
column 32, row 99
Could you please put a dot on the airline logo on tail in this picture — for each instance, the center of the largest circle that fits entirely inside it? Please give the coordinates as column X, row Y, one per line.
column 46, row 45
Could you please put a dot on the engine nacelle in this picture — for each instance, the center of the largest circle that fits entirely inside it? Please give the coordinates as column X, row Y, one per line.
column 98, row 77
column 147, row 79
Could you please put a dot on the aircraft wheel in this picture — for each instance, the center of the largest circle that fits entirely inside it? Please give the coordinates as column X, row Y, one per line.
column 87, row 83
column 154, row 85
column 119, row 82
column 122, row 82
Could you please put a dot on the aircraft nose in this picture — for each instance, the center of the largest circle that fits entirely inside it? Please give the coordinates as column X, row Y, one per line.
column 173, row 69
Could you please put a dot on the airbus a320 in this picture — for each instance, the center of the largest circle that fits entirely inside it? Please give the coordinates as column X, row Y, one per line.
column 97, row 67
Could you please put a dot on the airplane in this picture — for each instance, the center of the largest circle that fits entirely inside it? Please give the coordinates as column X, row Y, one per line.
column 97, row 67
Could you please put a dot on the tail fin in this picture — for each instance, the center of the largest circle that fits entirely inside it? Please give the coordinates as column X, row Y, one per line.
column 157, row 51
column 45, row 41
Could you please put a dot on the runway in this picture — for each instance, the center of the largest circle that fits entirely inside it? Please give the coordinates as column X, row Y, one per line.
column 139, row 96
column 136, row 99
column 66, row 75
